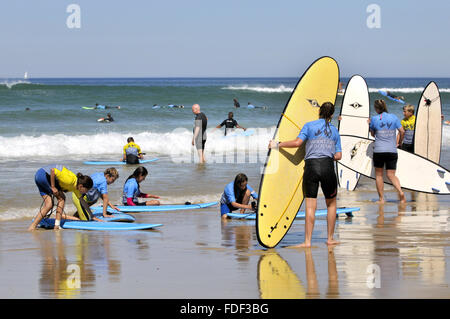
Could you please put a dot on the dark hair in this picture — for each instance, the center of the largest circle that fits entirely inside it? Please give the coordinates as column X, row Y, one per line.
column 238, row 180
column 380, row 106
column 326, row 111
column 140, row 171
column 84, row 180
column 130, row 139
column 230, row 113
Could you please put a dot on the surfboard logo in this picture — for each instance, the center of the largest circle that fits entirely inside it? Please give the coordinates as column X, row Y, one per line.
column 313, row 102
column 355, row 105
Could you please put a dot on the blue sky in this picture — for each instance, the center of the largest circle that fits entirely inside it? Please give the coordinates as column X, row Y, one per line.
column 200, row 38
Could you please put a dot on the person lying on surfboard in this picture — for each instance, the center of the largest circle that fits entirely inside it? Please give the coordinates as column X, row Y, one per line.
column 236, row 195
column 131, row 189
column 54, row 181
column 394, row 96
column 323, row 147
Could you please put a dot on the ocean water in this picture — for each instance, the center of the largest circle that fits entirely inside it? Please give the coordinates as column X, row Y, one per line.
column 56, row 129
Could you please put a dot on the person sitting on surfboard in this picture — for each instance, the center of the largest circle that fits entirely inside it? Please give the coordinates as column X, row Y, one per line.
column 236, row 195
column 131, row 189
column 54, row 181
column 408, row 124
column 132, row 152
column 323, row 147
column 230, row 123
column 382, row 127
column 100, row 189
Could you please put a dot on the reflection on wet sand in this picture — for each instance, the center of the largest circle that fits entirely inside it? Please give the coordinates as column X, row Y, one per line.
column 277, row 280
column 69, row 277
column 238, row 235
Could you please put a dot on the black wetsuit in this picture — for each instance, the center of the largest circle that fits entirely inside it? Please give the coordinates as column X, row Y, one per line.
column 202, row 122
column 229, row 123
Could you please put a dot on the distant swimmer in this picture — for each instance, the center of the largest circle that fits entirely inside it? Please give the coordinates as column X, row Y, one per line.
column 394, row 96
column 53, row 181
column 132, row 191
column 236, row 195
column 236, row 103
column 175, row 106
column 132, row 152
column 230, row 123
column 103, row 107
column 27, row 109
column 106, row 119
column 156, row 106
column 251, row 106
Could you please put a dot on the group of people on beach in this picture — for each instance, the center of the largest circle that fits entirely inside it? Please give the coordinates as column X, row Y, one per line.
column 322, row 145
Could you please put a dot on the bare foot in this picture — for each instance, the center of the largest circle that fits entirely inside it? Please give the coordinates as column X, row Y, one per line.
column 332, row 242
column 304, row 245
column 402, row 198
column 380, row 201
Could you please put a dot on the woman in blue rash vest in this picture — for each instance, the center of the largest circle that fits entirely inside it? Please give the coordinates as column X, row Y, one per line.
column 236, row 196
column 131, row 189
column 382, row 127
column 323, row 147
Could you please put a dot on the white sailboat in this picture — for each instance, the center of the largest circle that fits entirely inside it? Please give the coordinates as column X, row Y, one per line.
column 25, row 76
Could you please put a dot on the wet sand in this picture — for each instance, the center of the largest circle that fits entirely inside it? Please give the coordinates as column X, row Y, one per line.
column 387, row 251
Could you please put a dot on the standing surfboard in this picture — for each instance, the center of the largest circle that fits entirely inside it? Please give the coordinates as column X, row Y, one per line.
column 355, row 111
column 428, row 129
column 414, row 172
column 281, row 191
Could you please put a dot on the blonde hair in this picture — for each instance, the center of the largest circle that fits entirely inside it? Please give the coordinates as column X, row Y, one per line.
column 409, row 108
column 112, row 172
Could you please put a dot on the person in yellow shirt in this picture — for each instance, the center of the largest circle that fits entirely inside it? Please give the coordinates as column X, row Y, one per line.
column 132, row 152
column 408, row 123
column 55, row 180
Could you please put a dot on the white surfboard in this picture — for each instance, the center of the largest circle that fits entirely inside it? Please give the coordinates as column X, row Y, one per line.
column 415, row 173
column 428, row 129
column 355, row 111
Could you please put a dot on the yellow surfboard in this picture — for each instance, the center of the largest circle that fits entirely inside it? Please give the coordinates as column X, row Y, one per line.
column 280, row 192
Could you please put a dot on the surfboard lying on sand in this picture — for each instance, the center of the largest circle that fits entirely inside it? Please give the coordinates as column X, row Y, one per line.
column 93, row 225
column 118, row 162
column 160, row 208
column 300, row 214
column 428, row 129
column 355, row 111
column 281, row 191
column 415, row 173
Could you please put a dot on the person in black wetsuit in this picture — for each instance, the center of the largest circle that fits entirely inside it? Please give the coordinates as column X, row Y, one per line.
column 199, row 138
column 236, row 103
column 230, row 123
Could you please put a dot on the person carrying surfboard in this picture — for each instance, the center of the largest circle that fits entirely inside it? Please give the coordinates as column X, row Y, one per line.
column 100, row 189
column 131, row 189
column 54, row 181
column 408, row 124
column 236, row 195
column 230, row 123
column 132, row 152
column 383, row 126
column 323, row 147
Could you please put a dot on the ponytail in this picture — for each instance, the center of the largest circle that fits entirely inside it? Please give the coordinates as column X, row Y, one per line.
column 380, row 106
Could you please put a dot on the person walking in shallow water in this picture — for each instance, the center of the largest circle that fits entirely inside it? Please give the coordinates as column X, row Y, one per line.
column 323, row 147
column 199, row 131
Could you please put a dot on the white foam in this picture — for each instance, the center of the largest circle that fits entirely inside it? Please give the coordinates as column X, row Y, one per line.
column 261, row 89
column 175, row 143
column 10, row 83
column 406, row 90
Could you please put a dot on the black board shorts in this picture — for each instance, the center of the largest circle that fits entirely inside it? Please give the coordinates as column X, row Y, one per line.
column 408, row 147
column 132, row 159
column 388, row 159
column 319, row 170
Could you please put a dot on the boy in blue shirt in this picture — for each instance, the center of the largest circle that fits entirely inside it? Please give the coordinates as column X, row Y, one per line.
column 236, row 196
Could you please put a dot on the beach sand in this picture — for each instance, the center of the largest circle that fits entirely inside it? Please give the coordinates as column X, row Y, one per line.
column 387, row 251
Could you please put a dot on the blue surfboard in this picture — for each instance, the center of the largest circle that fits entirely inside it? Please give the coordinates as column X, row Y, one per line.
column 384, row 93
column 93, row 225
column 160, row 208
column 115, row 217
column 300, row 214
column 117, row 162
